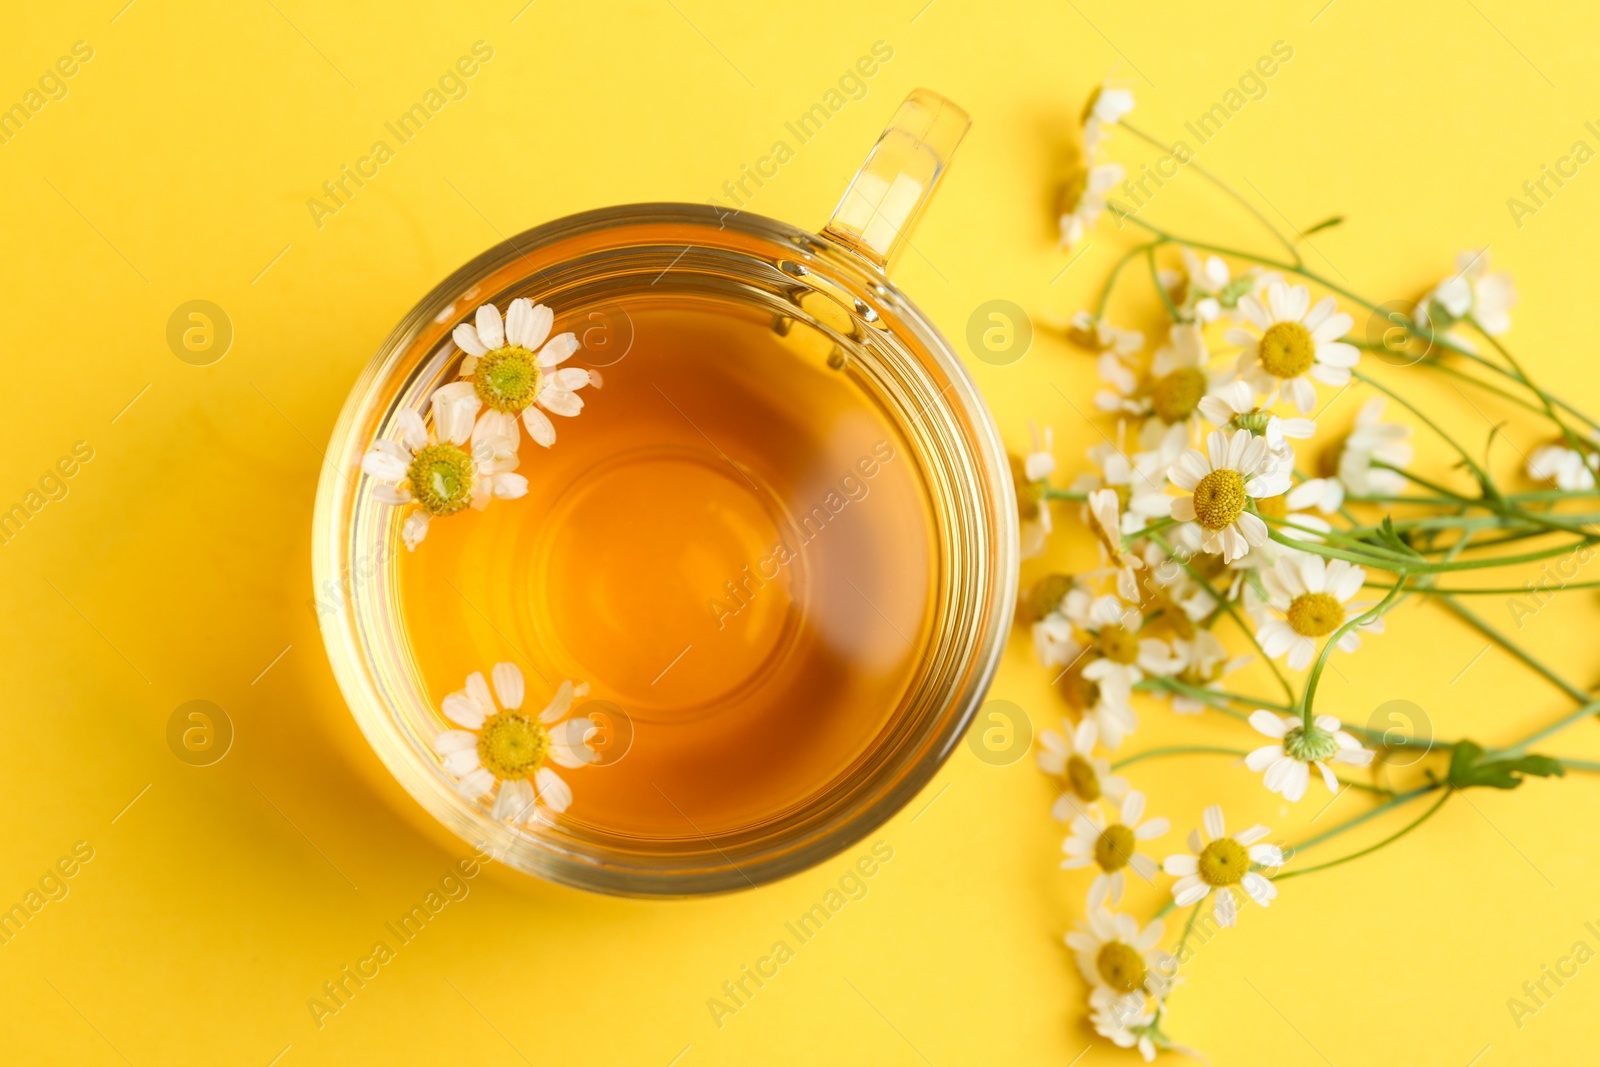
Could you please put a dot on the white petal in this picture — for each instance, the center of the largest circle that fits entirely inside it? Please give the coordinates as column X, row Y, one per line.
column 1212, row 820
column 519, row 322
column 554, row 792
column 558, row 704
column 1267, row 723
column 558, row 349
column 383, row 466
column 508, row 685
column 539, row 426
column 463, row 709
column 559, row 401
column 1180, row 864
column 476, row 784
column 491, row 330
column 466, row 339
column 1226, row 909
column 514, row 803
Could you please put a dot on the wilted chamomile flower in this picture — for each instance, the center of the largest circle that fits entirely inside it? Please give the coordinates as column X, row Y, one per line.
column 1297, row 342
column 1113, row 848
column 1297, row 748
column 1084, row 778
column 1140, row 483
column 1205, row 664
column 1206, row 288
column 1107, row 702
column 1114, row 626
column 1219, row 861
column 1169, row 391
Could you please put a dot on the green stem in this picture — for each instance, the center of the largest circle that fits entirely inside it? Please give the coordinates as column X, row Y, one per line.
column 1566, row 431
column 1516, row 650
column 1111, row 279
column 1350, row 824
column 1188, row 928
column 1233, row 614
column 1220, row 184
column 1367, row 617
column 1502, row 590
column 1178, row 750
column 1422, row 566
column 1516, row 749
column 1391, row 839
column 1484, row 481
column 1161, row 290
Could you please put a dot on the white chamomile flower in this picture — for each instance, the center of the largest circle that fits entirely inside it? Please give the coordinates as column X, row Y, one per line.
column 1140, row 483
column 1112, row 847
column 1297, row 342
column 1473, row 290
column 1296, row 750
column 514, row 369
column 1126, row 1021
column 1106, row 106
column 1205, row 664
column 1085, row 199
column 1107, row 701
column 1219, row 861
column 1084, row 777
column 1114, row 954
column 1055, row 640
column 439, row 471
column 508, row 747
column 1171, row 389
column 1564, row 467
column 1120, row 651
column 1097, row 335
column 1233, row 407
column 1371, row 440
column 1234, row 469
column 1310, row 598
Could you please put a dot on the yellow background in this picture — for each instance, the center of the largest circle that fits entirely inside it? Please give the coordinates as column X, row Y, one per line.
column 178, row 167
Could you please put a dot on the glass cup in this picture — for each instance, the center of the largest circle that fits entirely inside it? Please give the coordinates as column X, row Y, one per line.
column 834, row 283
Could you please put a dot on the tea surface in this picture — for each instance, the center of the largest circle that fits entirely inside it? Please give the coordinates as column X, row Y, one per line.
column 731, row 544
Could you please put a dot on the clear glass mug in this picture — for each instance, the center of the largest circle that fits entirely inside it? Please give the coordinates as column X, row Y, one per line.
column 834, row 282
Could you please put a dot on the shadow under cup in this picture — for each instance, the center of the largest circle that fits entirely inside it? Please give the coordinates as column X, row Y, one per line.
column 599, row 271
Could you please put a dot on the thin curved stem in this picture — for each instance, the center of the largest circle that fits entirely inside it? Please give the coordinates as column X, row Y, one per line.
column 1367, row 617
column 1370, row 849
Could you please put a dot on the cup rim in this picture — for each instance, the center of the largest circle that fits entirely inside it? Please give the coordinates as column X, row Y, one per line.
column 334, row 554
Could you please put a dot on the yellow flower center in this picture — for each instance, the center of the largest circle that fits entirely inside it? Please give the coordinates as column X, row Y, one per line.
column 1046, row 594
column 1219, row 498
column 1315, row 614
column 1114, row 848
column 1121, row 967
column 1273, row 507
column 1082, row 779
column 1080, row 692
column 441, row 477
column 1287, row 350
column 1117, row 644
column 1224, row 862
column 512, row 746
column 1175, row 397
column 507, row 379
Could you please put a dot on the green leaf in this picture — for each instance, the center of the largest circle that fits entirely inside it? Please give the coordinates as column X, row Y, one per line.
column 1392, row 539
column 1468, row 768
column 1326, row 224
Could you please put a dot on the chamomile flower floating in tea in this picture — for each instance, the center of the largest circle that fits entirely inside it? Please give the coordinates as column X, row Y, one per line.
column 1220, row 861
column 455, row 466
column 1113, row 847
column 1235, row 469
column 1300, row 747
column 1309, row 598
column 1114, row 954
column 1297, row 342
column 504, row 750
column 515, row 371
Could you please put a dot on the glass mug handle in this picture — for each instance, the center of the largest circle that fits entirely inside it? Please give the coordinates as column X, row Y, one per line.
column 892, row 187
